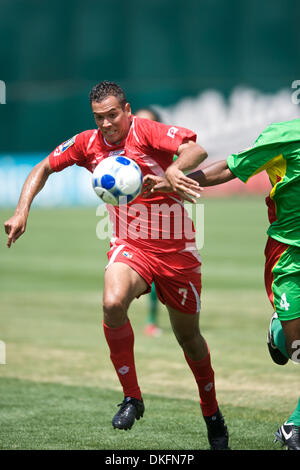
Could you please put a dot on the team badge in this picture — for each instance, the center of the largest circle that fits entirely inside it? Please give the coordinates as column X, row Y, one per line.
column 115, row 153
column 61, row 148
column 127, row 254
column 68, row 143
column 172, row 131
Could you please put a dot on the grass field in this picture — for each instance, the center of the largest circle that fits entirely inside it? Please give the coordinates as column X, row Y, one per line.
column 58, row 387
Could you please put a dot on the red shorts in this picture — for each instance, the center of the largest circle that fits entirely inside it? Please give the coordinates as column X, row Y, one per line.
column 177, row 276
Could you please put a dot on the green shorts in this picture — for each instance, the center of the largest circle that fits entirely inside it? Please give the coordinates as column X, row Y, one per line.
column 282, row 278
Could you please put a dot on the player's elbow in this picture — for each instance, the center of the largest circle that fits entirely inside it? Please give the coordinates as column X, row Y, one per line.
column 47, row 167
column 203, row 154
column 200, row 153
column 44, row 167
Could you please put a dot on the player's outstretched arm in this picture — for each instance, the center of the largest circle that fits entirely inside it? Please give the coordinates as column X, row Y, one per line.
column 16, row 225
column 212, row 175
column 216, row 173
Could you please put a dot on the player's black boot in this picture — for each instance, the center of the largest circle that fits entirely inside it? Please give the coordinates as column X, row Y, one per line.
column 275, row 354
column 130, row 410
column 289, row 435
column 217, row 431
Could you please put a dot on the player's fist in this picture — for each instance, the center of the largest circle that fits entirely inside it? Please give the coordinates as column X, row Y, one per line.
column 15, row 227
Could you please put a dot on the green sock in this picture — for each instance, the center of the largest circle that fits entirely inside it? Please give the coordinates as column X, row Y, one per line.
column 295, row 416
column 279, row 341
column 278, row 336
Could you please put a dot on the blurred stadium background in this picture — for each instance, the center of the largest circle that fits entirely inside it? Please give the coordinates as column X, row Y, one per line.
column 223, row 68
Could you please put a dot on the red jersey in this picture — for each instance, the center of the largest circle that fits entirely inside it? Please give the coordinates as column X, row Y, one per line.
column 159, row 222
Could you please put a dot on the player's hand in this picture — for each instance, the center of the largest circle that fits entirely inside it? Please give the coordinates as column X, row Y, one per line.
column 15, row 227
column 154, row 183
column 187, row 188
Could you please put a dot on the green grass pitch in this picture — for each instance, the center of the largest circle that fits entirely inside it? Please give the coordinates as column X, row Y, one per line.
column 58, row 389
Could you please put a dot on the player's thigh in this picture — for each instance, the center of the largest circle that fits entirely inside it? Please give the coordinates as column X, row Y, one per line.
column 286, row 285
column 284, row 293
column 127, row 274
column 122, row 284
column 273, row 252
column 180, row 292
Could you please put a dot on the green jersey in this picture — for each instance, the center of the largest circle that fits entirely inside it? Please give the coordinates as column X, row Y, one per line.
column 277, row 151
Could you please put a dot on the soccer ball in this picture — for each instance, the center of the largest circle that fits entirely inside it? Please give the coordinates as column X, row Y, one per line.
column 117, row 180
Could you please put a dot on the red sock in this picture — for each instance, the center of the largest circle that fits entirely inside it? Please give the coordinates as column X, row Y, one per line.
column 121, row 344
column 204, row 375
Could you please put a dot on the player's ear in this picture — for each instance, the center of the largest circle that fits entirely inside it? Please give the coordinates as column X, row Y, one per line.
column 127, row 109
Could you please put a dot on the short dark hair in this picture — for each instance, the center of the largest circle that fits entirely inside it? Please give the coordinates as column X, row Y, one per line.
column 104, row 89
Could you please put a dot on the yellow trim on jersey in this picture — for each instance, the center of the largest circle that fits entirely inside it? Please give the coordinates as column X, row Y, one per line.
column 266, row 166
column 278, row 169
column 274, row 167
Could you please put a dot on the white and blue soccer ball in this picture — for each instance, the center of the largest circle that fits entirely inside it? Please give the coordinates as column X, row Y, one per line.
column 117, row 180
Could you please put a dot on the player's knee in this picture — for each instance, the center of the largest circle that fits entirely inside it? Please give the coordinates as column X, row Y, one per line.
column 114, row 311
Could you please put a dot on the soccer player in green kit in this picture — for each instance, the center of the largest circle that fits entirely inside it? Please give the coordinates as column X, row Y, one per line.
column 277, row 151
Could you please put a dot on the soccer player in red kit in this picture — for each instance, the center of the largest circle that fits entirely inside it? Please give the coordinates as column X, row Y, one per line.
column 153, row 241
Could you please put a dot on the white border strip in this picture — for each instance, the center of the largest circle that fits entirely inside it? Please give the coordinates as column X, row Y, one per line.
column 114, row 255
column 197, row 297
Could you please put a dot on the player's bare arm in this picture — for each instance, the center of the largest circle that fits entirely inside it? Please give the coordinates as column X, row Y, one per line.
column 212, row 175
column 16, row 225
column 216, row 173
column 190, row 155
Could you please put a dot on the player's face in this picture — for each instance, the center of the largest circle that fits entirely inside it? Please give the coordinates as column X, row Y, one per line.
column 112, row 120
